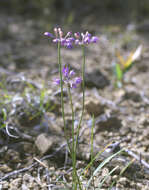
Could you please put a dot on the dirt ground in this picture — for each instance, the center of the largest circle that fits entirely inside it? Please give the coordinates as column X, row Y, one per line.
column 28, row 66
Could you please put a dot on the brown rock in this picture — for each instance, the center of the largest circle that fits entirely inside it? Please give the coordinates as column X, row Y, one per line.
column 4, row 168
column 45, row 142
column 16, row 183
column 12, row 156
column 94, row 106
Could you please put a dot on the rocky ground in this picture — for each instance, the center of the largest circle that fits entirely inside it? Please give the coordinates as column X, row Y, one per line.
column 32, row 145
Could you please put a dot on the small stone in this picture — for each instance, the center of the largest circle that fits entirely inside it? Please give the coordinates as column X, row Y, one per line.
column 123, row 181
column 4, row 168
column 94, row 106
column 53, row 127
column 16, row 183
column 139, row 185
column 5, row 185
column 24, row 187
column 112, row 123
column 12, row 156
column 133, row 95
column 124, row 131
column 96, row 79
column 45, row 142
column 26, row 147
column 119, row 93
column 28, row 180
column 114, row 177
column 146, row 187
column 27, row 177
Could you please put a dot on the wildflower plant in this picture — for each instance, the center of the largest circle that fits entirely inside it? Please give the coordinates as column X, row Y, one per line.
column 60, row 39
column 68, row 77
column 123, row 66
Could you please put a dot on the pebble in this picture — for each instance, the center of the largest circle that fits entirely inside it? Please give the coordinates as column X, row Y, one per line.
column 12, row 156
column 5, row 185
column 123, row 181
column 24, row 187
column 4, row 168
column 16, row 183
column 94, row 106
column 96, row 79
column 45, row 142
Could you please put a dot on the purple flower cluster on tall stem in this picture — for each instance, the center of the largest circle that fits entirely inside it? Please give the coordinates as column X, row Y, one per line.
column 68, row 78
column 66, row 41
column 85, row 39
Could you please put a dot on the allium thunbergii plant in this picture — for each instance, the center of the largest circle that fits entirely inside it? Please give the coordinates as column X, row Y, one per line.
column 68, row 77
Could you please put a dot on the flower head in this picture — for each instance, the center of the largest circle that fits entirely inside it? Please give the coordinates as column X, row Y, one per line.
column 68, row 78
column 66, row 41
column 84, row 39
column 65, row 72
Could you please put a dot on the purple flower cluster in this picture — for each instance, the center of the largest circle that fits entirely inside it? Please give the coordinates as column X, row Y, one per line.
column 65, row 41
column 68, row 78
column 68, row 40
column 84, row 39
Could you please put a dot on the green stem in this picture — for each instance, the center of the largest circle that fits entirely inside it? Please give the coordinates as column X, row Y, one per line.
column 73, row 140
column 62, row 97
column 83, row 98
column 92, row 146
column 92, row 138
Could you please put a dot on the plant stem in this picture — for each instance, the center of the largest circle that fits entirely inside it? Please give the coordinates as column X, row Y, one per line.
column 73, row 140
column 92, row 146
column 92, row 138
column 62, row 97
column 83, row 98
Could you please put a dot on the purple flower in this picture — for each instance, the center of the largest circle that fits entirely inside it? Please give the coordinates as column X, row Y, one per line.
column 78, row 80
column 65, row 71
column 69, row 45
column 48, row 34
column 84, row 39
column 94, row 39
column 72, row 73
column 68, row 78
column 73, row 85
column 65, row 41
column 57, row 81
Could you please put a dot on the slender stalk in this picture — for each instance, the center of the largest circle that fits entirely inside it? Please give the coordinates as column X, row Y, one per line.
column 92, row 138
column 92, row 146
column 79, row 182
column 83, row 98
column 62, row 97
column 73, row 141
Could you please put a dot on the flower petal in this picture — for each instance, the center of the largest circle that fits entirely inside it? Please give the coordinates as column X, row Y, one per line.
column 71, row 73
column 65, row 71
column 94, row 39
column 48, row 34
column 78, row 80
column 57, row 81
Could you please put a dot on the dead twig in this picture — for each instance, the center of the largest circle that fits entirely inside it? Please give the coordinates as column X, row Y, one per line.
column 17, row 172
column 34, row 164
column 37, row 162
column 144, row 163
column 40, row 162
